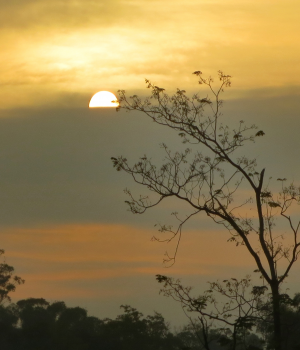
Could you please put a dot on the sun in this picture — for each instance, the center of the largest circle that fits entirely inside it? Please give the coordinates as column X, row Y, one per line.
column 104, row 99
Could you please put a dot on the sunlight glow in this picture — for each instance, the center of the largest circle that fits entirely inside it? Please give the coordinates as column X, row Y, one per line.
column 104, row 99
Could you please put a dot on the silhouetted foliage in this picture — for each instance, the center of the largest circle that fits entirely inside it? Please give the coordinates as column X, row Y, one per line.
column 226, row 313
column 290, row 322
column 133, row 331
column 215, row 179
column 35, row 324
column 8, row 281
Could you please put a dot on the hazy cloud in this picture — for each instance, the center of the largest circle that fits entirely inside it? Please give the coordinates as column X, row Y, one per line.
column 75, row 46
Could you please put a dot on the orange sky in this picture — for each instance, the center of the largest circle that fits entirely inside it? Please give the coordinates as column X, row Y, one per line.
column 53, row 259
column 64, row 224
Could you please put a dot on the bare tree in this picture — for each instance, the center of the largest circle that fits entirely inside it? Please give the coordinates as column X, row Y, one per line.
column 215, row 182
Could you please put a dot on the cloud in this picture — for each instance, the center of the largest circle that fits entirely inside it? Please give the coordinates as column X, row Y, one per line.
column 49, row 48
column 88, row 254
column 101, row 266
column 105, row 265
column 66, row 14
column 56, row 168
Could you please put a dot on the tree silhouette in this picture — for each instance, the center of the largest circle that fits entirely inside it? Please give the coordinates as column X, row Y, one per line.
column 8, row 281
column 36, row 324
column 132, row 330
column 226, row 312
column 212, row 177
column 290, row 322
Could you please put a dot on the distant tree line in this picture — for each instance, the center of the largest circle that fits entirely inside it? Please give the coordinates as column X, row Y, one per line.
column 230, row 315
column 35, row 324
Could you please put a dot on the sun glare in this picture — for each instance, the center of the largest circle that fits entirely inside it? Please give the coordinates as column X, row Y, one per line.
column 104, row 99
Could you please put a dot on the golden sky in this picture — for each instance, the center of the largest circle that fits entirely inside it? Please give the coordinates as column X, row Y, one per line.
column 63, row 220
column 73, row 47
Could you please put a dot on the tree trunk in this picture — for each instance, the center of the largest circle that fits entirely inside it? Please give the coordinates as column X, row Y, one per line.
column 276, row 341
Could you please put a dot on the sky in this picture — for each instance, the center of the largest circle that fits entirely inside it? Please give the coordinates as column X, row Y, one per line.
column 63, row 220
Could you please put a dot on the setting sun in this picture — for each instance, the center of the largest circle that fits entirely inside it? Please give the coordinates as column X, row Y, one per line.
column 104, row 99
